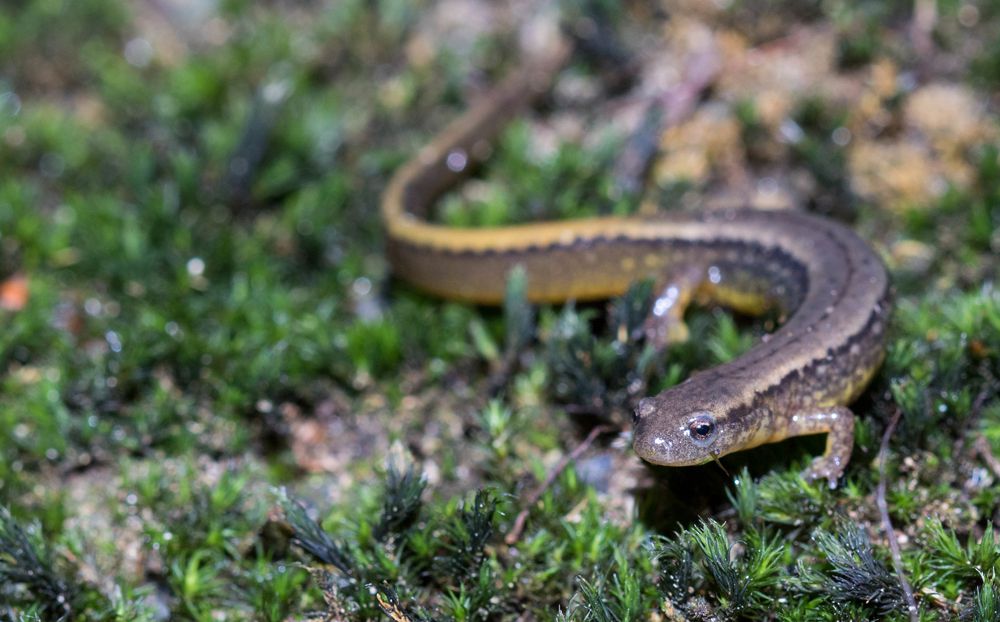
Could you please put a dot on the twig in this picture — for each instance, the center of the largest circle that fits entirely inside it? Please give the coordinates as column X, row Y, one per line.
column 925, row 16
column 515, row 533
column 700, row 73
column 986, row 453
column 635, row 160
column 981, row 445
column 883, row 508
column 667, row 110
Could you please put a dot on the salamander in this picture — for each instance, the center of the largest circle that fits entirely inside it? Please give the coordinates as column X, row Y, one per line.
column 828, row 285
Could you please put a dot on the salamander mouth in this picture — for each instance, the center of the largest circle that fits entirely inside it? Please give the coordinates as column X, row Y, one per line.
column 662, row 450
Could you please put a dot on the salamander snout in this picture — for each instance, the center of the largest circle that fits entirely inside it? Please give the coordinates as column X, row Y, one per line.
column 675, row 432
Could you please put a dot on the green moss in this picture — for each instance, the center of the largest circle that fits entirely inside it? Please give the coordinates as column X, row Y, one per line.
column 569, row 182
column 196, row 336
column 851, row 572
column 50, row 33
column 28, row 574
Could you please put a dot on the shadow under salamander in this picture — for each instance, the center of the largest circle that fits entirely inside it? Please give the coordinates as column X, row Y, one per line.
column 677, row 497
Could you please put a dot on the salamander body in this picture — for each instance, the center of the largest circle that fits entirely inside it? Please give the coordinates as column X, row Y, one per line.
column 829, row 284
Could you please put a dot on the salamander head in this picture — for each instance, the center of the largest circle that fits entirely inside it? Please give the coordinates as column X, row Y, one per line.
column 672, row 429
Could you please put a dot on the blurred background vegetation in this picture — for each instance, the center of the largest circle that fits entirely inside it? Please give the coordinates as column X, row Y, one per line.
column 215, row 403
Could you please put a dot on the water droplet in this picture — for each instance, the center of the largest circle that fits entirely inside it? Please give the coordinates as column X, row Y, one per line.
column 92, row 306
column 10, row 104
column 114, row 341
column 362, row 286
column 138, row 52
column 715, row 275
column 196, row 266
column 456, row 160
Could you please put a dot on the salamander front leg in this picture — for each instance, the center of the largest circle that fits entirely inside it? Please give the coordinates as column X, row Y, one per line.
column 838, row 424
column 665, row 323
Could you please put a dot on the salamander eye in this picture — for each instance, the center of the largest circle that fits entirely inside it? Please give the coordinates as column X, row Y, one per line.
column 702, row 429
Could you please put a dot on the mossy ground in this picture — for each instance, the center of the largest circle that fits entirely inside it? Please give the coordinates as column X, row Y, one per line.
column 215, row 403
